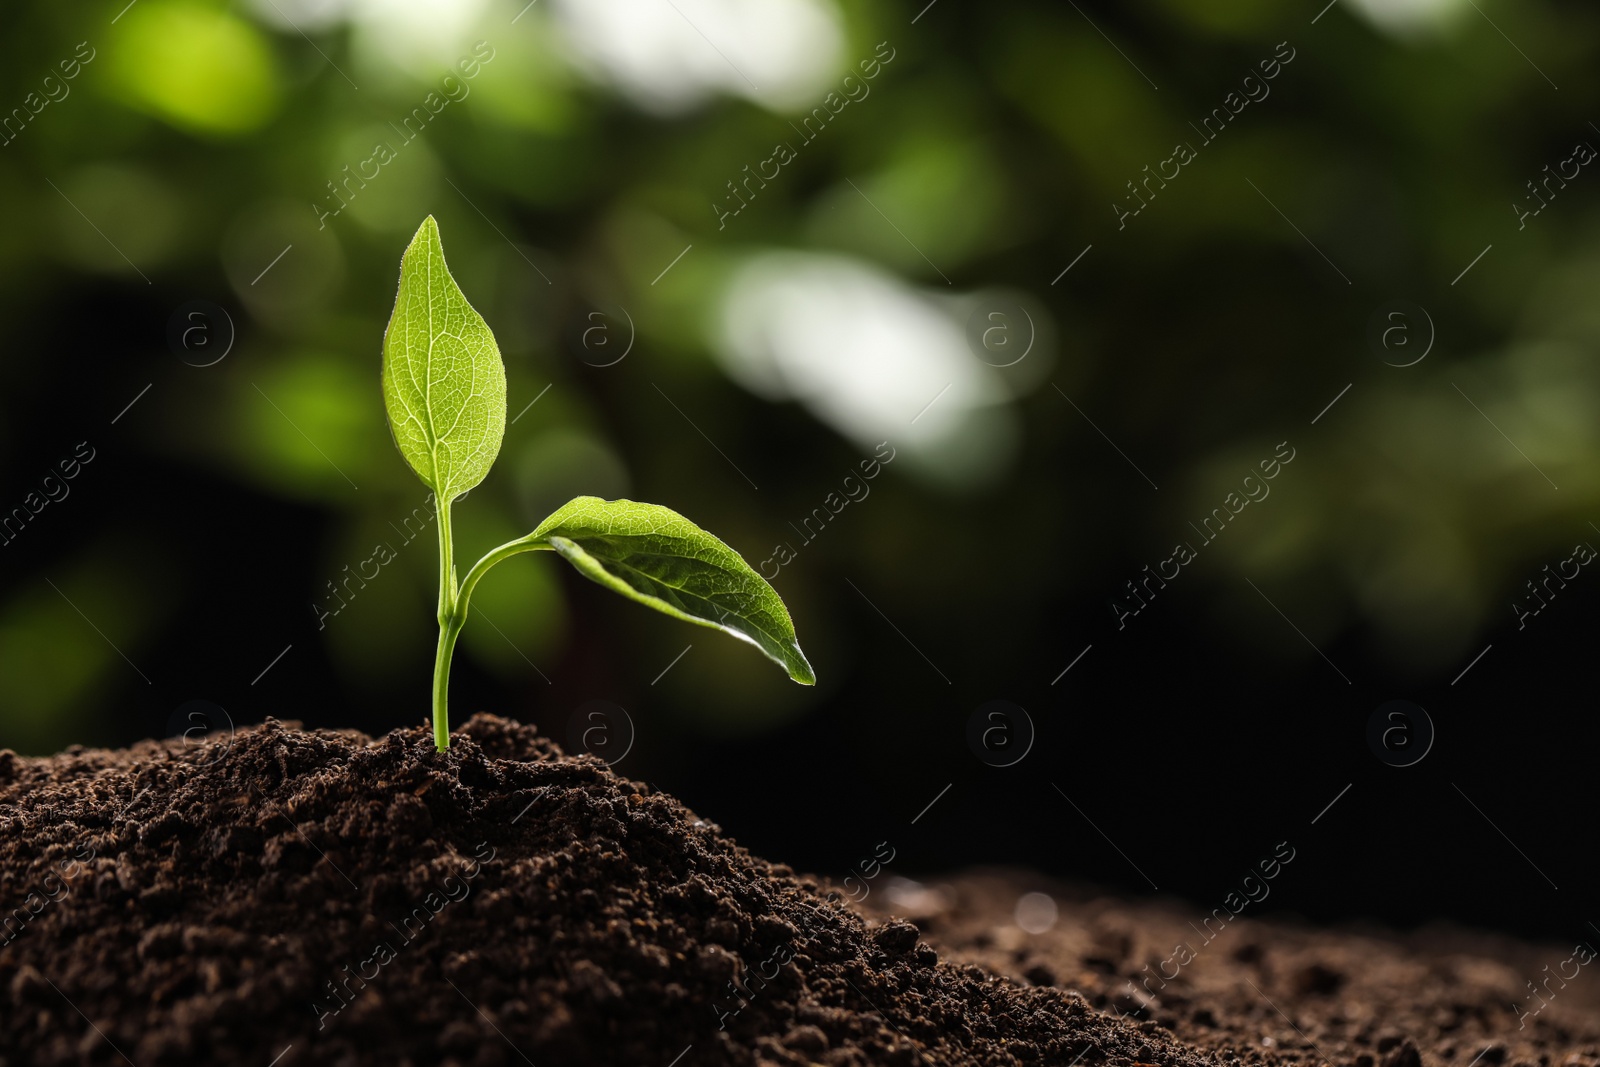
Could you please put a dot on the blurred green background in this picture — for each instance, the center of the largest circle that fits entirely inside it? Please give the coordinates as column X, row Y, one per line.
column 945, row 165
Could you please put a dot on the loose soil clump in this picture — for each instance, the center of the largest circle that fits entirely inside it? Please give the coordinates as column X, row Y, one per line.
column 293, row 897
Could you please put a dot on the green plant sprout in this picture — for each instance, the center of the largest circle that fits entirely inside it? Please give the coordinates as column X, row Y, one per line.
column 444, row 387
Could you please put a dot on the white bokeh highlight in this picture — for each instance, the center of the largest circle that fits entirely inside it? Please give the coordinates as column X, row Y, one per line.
column 668, row 56
column 869, row 355
column 1035, row 912
column 421, row 36
column 1410, row 18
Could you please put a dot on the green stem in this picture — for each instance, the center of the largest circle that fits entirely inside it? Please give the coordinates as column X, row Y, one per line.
column 447, row 568
column 453, row 603
column 441, row 683
column 449, row 628
column 505, row 551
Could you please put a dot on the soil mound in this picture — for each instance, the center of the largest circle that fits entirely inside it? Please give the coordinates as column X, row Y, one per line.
column 295, row 897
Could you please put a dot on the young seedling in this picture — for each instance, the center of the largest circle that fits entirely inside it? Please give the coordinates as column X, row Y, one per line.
column 444, row 387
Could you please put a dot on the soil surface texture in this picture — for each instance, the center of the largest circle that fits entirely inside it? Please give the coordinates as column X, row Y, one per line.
column 1272, row 992
column 287, row 897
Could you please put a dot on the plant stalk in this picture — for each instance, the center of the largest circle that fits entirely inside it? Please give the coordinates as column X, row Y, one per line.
column 449, row 628
column 441, row 682
column 453, row 602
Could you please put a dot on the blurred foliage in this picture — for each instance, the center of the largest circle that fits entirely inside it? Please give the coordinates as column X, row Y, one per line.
column 225, row 152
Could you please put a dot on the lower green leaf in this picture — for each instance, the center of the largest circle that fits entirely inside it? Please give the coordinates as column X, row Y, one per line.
column 654, row 555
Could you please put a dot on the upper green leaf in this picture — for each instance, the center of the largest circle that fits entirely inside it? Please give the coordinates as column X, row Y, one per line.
column 654, row 555
column 443, row 382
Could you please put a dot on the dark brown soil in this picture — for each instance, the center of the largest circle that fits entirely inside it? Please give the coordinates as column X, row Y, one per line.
column 1277, row 993
column 326, row 898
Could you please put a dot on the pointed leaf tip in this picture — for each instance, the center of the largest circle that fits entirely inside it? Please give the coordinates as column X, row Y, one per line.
column 444, row 384
column 655, row 556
